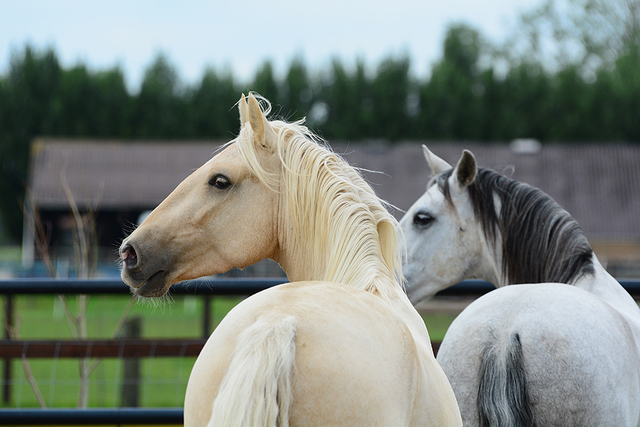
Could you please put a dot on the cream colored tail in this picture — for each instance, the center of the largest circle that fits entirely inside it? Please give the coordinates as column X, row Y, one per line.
column 256, row 390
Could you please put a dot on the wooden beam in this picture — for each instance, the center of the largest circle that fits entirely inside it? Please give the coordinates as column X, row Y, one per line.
column 101, row 348
column 107, row 348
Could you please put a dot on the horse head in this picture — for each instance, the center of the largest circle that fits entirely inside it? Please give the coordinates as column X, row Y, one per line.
column 443, row 238
column 218, row 218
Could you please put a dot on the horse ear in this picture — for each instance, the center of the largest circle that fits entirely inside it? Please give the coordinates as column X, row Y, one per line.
column 244, row 111
column 263, row 133
column 436, row 164
column 466, row 169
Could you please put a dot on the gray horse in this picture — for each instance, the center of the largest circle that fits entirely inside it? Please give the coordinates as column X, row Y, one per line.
column 562, row 350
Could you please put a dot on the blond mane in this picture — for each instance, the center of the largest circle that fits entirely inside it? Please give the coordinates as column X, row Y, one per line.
column 335, row 222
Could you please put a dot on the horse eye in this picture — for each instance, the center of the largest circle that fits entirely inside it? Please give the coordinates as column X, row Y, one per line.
column 219, row 181
column 422, row 219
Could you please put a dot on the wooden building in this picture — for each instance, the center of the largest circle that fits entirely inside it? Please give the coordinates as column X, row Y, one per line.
column 599, row 184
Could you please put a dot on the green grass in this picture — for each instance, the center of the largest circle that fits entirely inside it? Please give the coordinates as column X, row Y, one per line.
column 10, row 253
column 163, row 379
column 437, row 324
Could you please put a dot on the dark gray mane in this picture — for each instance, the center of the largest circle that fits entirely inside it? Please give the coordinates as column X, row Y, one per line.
column 541, row 242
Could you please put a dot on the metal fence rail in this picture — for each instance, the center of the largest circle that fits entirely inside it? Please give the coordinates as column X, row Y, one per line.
column 120, row 348
column 217, row 287
column 65, row 417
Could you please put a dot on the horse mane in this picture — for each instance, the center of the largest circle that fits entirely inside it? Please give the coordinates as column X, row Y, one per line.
column 541, row 241
column 333, row 218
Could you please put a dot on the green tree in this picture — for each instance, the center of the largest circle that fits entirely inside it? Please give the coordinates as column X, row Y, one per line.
column 159, row 110
column 451, row 102
column 265, row 83
column 297, row 90
column 112, row 104
column 94, row 105
column 521, row 106
column 624, row 80
column 390, row 90
column 211, row 106
column 29, row 95
column 584, row 34
column 348, row 102
column 588, row 53
column 362, row 118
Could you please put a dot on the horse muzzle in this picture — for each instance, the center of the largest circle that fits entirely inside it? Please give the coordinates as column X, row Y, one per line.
column 145, row 275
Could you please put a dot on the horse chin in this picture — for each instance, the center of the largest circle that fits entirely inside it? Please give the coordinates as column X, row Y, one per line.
column 155, row 286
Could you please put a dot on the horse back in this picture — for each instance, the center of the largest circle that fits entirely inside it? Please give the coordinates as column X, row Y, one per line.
column 569, row 358
column 355, row 359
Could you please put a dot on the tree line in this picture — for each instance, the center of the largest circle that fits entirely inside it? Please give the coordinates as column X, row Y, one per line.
column 476, row 91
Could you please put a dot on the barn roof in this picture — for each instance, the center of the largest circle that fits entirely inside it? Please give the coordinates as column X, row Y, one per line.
column 599, row 184
column 111, row 174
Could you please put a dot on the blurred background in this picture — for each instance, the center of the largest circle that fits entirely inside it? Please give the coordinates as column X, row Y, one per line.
column 106, row 106
column 82, row 84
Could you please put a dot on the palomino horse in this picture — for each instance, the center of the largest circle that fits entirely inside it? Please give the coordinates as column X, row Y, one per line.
column 341, row 345
column 545, row 354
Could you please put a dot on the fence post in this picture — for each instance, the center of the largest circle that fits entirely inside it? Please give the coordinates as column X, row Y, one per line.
column 130, row 391
column 8, row 323
column 206, row 316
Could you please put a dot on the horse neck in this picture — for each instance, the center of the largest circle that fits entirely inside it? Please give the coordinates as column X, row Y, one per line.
column 299, row 268
column 333, row 228
column 605, row 286
column 317, row 259
column 534, row 239
column 599, row 282
column 488, row 265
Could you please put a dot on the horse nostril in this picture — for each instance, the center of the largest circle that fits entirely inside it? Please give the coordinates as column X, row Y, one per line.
column 128, row 256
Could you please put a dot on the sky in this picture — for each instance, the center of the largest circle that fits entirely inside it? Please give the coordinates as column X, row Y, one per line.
column 240, row 35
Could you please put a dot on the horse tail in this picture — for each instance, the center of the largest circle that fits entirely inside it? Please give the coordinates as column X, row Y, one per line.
column 503, row 399
column 256, row 390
